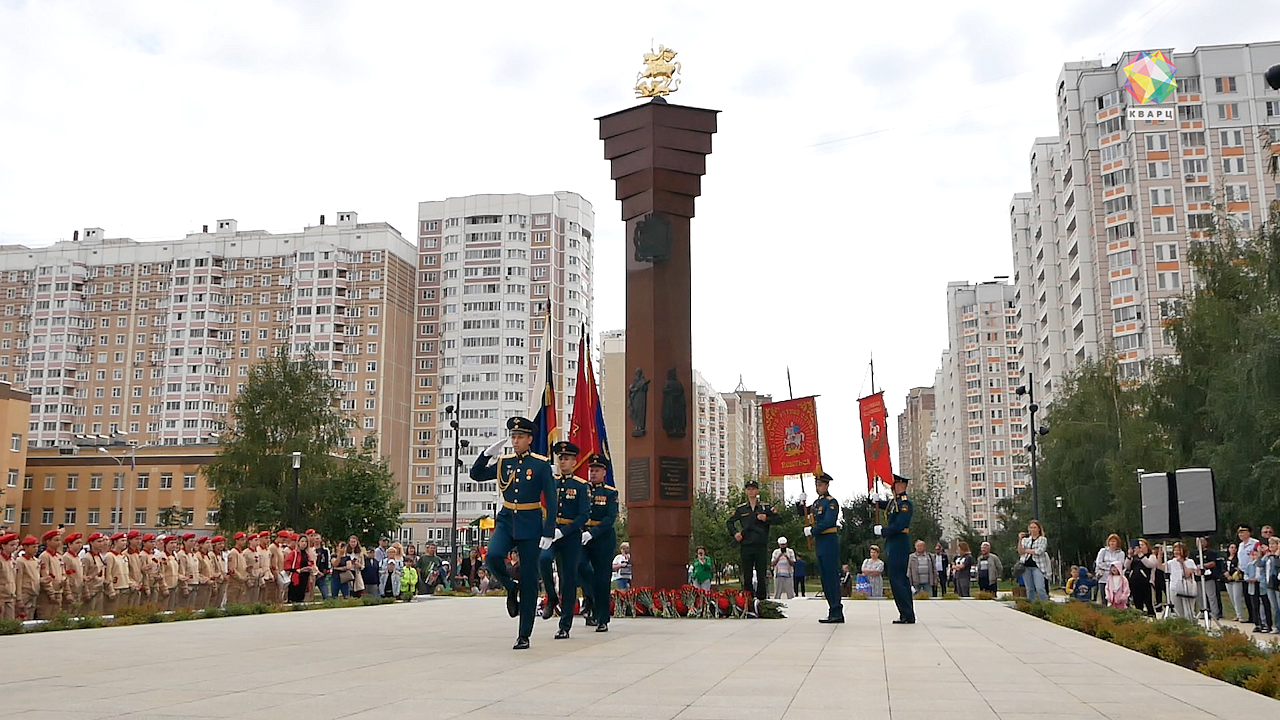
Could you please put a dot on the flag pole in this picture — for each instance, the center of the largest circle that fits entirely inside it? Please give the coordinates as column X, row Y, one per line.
column 804, row 506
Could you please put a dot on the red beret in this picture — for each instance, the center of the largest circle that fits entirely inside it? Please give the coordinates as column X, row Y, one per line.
column 188, row 536
column 95, row 536
column 264, row 534
column 310, row 531
column 8, row 537
column 133, row 534
column 71, row 538
column 238, row 536
column 117, row 536
column 30, row 540
column 218, row 538
column 284, row 535
column 147, row 537
column 50, row 535
column 204, row 539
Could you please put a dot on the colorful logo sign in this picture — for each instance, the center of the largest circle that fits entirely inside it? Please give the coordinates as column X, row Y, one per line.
column 1150, row 78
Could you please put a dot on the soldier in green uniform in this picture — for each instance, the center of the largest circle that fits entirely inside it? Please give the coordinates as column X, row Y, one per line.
column 573, row 505
column 897, row 536
column 826, row 545
column 524, row 523
column 749, row 525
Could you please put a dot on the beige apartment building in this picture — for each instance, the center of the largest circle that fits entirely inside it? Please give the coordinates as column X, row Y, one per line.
column 15, row 412
column 916, row 424
column 711, row 418
column 746, row 449
column 149, row 342
column 1100, row 243
column 613, row 382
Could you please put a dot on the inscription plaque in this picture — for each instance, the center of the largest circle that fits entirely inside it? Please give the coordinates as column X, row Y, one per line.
column 673, row 478
column 638, row 484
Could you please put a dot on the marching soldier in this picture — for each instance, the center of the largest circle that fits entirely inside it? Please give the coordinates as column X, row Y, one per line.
column 897, row 535
column 749, row 525
column 53, row 577
column 237, row 571
column 525, row 483
column 94, row 567
column 572, row 506
column 8, row 577
column 118, row 593
column 599, row 539
column 73, row 590
column 826, row 544
column 28, row 575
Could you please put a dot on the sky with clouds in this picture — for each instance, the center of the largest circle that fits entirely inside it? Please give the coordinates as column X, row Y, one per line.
column 865, row 157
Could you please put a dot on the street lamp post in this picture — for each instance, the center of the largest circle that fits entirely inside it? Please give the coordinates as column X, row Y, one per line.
column 297, row 499
column 1036, row 432
column 133, row 453
column 1058, row 501
column 458, row 445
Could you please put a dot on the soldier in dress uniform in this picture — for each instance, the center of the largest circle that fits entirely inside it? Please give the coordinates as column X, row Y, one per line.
column 572, row 506
column 897, row 535
column 237, row 570
column 73, row 590
column 749, row 526
column 94, row 567
column 599, row 539
column 52, row 577
column 28, row 576
column 826, row 545
column 116, row 585
column 524, row 523
column 253, row 570
column 8, row 577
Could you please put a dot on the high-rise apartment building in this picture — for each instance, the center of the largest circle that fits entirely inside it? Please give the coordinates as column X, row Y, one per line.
column 746, row 449
column 15, row 413
column 1101, row 242
column 915, row 426
column 613, row 400
column 980, row 423
column 153, row 340
column 711, row 418
column 491, row 269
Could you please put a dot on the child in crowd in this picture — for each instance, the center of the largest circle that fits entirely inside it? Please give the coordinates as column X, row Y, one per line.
column 1117, row 588
column 1082, row 586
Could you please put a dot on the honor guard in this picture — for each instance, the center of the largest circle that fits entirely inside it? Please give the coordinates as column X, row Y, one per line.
column 600, row 540
column 897, row 536
column 523, row 523
column 572, row 508
column 826, row 545
column 749, row 525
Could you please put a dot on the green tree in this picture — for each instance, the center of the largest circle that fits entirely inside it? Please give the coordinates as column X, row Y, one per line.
column 360, row 498
column 171, row 517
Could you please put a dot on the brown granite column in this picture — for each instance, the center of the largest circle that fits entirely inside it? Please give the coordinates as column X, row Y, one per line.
column 657, row 153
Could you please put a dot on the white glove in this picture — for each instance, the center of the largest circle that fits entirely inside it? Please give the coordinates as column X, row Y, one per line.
column 586, row 537
column 544, row 543
column 493, row 450
column 808, row 532
column 879, row 529
column 804, row 499
column 559, row 535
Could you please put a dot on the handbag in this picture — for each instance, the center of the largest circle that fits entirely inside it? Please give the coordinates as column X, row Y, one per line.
column 346, row 577
column 284, row 578
column 1019, row 568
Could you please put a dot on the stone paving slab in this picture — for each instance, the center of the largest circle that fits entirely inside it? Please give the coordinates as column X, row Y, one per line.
column 451, row 658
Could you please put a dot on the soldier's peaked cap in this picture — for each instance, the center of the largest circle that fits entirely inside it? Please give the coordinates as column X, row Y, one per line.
column 899, row 479
column 521, row 425
column 822, row 477
column 598, row 460
column 751, row 483
column 564, row 447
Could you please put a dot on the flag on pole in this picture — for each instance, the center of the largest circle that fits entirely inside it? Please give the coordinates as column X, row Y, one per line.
column 875, row 440
column 545, row 420
column 586, row 428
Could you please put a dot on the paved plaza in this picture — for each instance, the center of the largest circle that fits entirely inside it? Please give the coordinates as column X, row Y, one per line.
column 451, row 657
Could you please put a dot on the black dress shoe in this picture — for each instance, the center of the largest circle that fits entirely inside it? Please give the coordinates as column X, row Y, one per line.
column 589, row 620
column 513, row 603
column 562, row 634
column 548, row 610
column 521, row 644
column 602, row 627
column 900, row 621
column 832, row 620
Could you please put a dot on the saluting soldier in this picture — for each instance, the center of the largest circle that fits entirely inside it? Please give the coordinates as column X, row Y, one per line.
column 52, row 577
column 118, row 593
column 525, row 483
column 826, row 545
column 27, row 565
column 897, row 535
column 8, row 577
column 94, row 567
column 73, row 589
column 749, row 525
column 572, row 507
column 599, row 539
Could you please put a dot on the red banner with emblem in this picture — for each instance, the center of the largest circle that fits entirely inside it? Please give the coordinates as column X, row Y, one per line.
column 875, row 440
column 791, row 436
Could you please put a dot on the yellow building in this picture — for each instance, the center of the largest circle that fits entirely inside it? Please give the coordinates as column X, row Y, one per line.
column 15, row 407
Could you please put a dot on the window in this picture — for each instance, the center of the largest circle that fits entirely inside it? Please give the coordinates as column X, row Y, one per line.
column 1224, row 84
column 189, row 481
column 46, row 516
column 1195, row 167
column 1228, row 111
column 1273, row 110
column 1168, row 281
column 1162, row 196
column 140, row 516
column 69, row 516
column 15, row 443
column 144, row 482
column 1233, row 165
column 48, row 482
column 166, row 481
column 1129, row 342
column 1237, row 193
column 1157, row 141
column 1232, row 138
column 1163, row 225
column 1166, row 252
column 13, row 477
column 73, row 481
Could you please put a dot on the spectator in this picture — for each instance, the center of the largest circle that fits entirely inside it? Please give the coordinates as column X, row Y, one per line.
column 347, row 566
column 411, row 556
column 448, row 577
column 1159, row 578
column 1109, row 555
column 1248, row 557
column 371, row 573
column 873, row 569
column 846, row 581
column 483, row 583
column 800, row 571
column 1272, row 584
column 1212, row 577
column 703, row 568
column 1182, row 582
column 1082, row 586
column 1071, row 579
column 622, row 567
column 960, row 570
column 783, row 564
column 324, row 567
column 1138, row 567
column 299, row 568
column 380, row 553
column 1117, row 589
column 921, row 572
column 989, row 570
column 1234, row 580
column 389, row 572
column 513, row 565
column 1256, row 588
column 469, row 568
column 940, row 570
column 429, row 570
column 1034, row 548
column 408, row 579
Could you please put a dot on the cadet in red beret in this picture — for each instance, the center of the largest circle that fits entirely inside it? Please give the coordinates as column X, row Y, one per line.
column 276, row 595
column 52, row 577
column 27, row 570
column 8, row 577
column 73, row 591
column 188, row 568
column 116, row 583
column 94, row 567
column 137, row 569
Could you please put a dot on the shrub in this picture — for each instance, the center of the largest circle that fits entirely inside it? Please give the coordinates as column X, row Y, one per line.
column 61, row 621
column 88, row 622
column 238, row 609
column 214, row 612
column 10, row 627
column 138, row 616
column 182, row 615
column 950, row 596
column 984, row 595
column 858, row 596
column 922, row 595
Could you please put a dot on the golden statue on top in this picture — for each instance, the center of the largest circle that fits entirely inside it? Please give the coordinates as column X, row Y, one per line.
column 658, row 78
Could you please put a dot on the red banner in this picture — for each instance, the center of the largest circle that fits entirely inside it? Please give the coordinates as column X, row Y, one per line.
column 875, row 440
column 791, row 436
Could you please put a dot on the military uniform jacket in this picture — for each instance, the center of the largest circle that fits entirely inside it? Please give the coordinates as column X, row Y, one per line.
column 27, row 570
column 275, row 554
column 117, row 572
column 8, row 578
column 755, row 532
column 170, row 573
column 74, row 573
column 573, row 503
column 204, row 568
column 525, row 483
column 136, row 563
column 900, row 512
column 52, row 576
column 237, row 568
column 826, row 511
column 604, row 509
column 94, row 568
